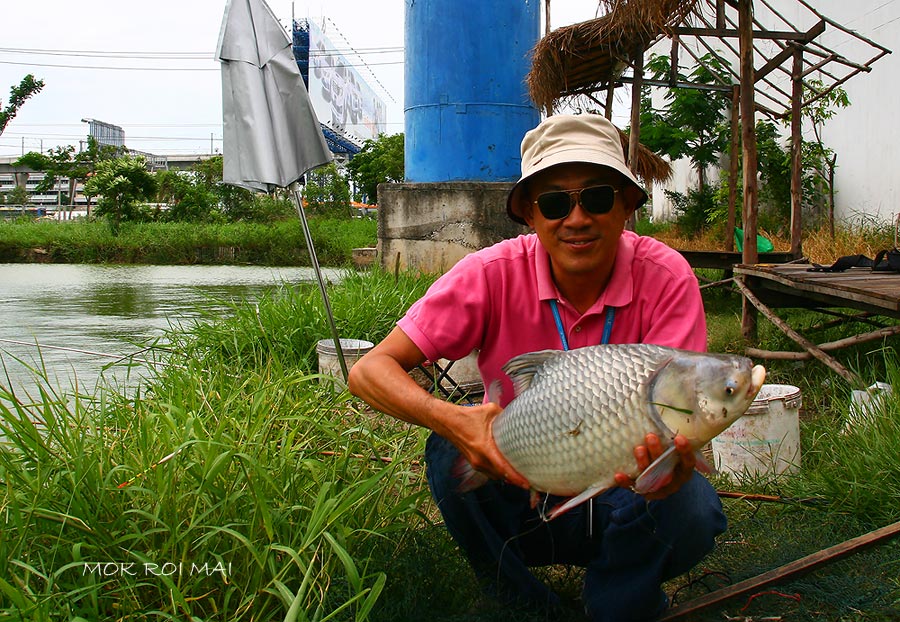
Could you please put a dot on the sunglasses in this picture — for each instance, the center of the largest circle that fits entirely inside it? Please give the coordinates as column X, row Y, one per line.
column 559, row 203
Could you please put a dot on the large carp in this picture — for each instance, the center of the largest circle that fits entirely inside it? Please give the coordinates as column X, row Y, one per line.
column 578, row 415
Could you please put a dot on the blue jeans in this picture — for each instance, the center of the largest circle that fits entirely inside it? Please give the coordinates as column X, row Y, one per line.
column 627, row 545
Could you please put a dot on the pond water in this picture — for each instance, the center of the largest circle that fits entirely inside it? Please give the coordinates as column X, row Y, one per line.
column 62, row 318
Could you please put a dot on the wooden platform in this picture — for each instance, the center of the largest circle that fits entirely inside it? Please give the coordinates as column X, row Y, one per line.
column 725, row 260
column 792, row 285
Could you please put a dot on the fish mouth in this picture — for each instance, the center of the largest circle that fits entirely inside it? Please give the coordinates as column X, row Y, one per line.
column 757, row 377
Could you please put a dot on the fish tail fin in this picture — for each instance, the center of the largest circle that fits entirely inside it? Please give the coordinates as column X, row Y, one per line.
column 469, row 478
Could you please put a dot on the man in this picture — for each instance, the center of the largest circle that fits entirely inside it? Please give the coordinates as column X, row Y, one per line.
column 580, row 279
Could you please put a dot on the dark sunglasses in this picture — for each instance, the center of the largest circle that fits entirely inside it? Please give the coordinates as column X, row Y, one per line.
column 559, row 203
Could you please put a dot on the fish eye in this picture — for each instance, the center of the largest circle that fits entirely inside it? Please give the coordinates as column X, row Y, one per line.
column 729, row 390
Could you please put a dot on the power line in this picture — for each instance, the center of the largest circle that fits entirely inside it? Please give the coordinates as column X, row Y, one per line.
column 105, row 68
column 187, row 54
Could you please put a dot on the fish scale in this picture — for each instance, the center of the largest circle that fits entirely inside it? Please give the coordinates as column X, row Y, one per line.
column 578, row 415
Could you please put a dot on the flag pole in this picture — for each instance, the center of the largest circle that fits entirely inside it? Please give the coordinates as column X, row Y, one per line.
column 298, row 203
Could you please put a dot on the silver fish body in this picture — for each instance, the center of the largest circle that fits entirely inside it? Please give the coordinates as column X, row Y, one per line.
column 578, row 415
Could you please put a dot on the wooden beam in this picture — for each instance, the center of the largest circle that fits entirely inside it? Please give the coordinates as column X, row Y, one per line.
column 799, row 339
column 673, row 63
column 734, row 165
column 787, row 52
column 634, row 134
column 787, row 572
column 796, row 155
column 724, row 88
column 881, row 333
column 720, row 14
column 730, row 33
column 610, row 99
column 748, row 141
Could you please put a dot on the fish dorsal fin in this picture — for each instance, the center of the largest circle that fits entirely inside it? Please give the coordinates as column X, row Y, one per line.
column 521, row 369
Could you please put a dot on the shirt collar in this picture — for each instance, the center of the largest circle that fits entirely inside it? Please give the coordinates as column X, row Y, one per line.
column 618, row 293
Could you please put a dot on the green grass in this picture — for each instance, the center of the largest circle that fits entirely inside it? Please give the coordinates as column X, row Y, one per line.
column 271, row 505
column 277, row 243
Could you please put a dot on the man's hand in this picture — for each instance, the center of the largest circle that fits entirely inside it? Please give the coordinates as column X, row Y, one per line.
column 475, row 440
column 651, row 450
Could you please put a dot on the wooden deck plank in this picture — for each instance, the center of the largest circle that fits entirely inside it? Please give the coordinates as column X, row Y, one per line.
column 857, row 287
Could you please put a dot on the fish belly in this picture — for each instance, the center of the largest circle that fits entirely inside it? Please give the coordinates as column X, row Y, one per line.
column 572, row 430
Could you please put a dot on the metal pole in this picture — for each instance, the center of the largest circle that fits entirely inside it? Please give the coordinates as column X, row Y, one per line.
column 298, row 203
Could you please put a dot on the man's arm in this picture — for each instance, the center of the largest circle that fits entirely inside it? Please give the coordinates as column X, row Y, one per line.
column 381, row 379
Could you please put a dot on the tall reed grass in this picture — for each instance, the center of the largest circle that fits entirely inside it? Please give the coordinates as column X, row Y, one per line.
column 234, row 486
column 853, row 237
column 276, row 243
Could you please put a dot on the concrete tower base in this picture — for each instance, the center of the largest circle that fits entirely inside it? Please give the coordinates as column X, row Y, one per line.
column 428, row 227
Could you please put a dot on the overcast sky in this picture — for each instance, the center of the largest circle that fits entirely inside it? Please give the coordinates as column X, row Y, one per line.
column 149, row 66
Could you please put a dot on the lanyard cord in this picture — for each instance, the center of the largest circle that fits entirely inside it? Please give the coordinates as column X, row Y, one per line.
column 607, row 326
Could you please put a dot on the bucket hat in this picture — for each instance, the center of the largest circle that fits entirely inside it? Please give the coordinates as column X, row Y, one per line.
column 561, row 139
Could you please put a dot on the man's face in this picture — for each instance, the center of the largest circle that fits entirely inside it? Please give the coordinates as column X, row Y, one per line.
column 579, row 243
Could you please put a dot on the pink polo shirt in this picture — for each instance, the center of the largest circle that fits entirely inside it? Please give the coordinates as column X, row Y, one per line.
column 497, row 301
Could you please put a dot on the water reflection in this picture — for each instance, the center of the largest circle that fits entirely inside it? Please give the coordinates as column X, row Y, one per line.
column 112, row 309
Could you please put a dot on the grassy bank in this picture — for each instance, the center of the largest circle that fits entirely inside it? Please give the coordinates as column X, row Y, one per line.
column 235, row 486
column 280, row 243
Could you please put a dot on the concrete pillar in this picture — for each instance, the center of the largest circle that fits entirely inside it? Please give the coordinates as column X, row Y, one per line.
column 430, row 226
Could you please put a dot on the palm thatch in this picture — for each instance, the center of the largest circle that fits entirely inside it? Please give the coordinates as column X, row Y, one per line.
column 585, row 56
column 647, row 165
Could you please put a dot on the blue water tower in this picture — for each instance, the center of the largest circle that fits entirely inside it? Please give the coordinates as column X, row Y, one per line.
column 466, row 102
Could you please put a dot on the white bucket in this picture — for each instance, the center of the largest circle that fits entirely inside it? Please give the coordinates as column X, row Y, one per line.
column 766, row 440
column 865, row 405
column 330, row 365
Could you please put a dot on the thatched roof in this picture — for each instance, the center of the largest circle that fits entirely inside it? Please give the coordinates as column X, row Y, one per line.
column 585, row 56
column 649, row 166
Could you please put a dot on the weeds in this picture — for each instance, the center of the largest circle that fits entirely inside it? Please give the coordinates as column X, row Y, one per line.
column 235, row 486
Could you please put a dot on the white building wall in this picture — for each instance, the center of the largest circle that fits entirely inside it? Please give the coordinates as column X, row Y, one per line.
column 866, row 135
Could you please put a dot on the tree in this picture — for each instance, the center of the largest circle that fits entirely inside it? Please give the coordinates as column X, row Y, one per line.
column 17, row 96
column 380, row 160
column 56, row 163
column 693, row 123
column 18, row 196
column 818, row 159
column 121, row 184
column 236, row 203
column 327, row 192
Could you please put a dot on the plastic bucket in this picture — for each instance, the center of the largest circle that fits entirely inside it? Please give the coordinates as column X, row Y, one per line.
column 766, row 440
column 866, row 405
column 330, row 365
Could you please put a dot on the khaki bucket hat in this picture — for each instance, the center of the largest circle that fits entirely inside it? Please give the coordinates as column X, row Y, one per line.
column 561, row 139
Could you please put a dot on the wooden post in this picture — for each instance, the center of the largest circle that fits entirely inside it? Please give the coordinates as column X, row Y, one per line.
column 634, row 136
column 610, row 94
column 748, row 137
column 546, row 17
column 796, row 155
column 734, row 165
column 673, row 64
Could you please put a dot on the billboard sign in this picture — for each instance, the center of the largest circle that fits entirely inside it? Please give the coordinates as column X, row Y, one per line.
column 339, row 95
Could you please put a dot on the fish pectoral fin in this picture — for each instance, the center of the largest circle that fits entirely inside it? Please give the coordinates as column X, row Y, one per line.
column 702, row 464
column 659, row 473
column 469, row 478
column 564, row 507
column 522, row 369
